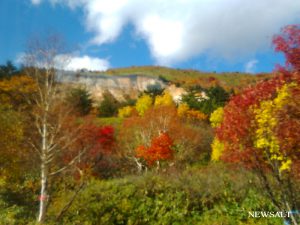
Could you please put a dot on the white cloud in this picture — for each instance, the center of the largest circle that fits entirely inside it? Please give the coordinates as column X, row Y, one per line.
column 180, row 29
column 251, row 66
column 68, row 62
column 87, row 62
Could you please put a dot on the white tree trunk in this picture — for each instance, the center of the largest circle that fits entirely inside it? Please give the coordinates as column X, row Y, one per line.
column 139, row 165
column 43, row 194
column 44, row 173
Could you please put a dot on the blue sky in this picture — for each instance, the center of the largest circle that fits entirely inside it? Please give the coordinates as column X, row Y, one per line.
column 207, row 35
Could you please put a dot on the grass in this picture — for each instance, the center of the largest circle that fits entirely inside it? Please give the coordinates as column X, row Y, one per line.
column 105, row 121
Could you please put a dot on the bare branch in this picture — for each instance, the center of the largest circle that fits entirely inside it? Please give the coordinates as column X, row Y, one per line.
column 35, row 148
column 72, row 162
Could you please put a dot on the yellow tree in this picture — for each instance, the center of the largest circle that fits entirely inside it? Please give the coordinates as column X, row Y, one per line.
column 125, row 111
column 17, row 91
column 143, row 104
column 270, row 144
column 164, row 100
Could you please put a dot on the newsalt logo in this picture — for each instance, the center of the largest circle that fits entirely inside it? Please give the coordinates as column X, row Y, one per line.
column 269, row 214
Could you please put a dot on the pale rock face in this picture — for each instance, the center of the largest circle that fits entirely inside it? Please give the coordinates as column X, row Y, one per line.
column 176, row 92
column 201, row 96
column 118, row 85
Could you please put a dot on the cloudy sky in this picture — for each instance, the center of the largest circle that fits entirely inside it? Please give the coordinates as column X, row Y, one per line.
column 208, row 35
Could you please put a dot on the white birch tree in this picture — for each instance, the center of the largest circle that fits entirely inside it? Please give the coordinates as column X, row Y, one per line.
column 48, row 138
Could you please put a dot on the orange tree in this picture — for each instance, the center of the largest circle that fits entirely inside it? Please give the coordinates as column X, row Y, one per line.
column 160, row 134
column 259, row 128
column 159, row 149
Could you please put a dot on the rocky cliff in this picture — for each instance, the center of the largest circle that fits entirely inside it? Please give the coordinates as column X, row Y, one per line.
column 118, row 85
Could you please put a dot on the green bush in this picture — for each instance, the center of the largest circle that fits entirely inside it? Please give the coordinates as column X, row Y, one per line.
column 212, row 195
column 108, row 106
column 18, row 204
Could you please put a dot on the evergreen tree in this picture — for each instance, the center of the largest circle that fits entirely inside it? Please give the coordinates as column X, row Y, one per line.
column 81, row 100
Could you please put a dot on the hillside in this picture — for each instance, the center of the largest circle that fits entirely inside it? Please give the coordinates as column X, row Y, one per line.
column 189, row 77
column 132, row 80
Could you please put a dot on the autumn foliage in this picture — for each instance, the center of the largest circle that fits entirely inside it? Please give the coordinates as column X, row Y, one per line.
column 237, row 127
column 288, row 42
column 100, row 140
column 242, row 130
column 189, row 143
column 159, row 149
column 259, row 128
column 95, row 142
column 255, row 132
column 16, row 89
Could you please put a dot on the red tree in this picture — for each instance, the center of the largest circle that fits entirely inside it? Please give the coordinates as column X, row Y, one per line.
column 99, row 143
column 237, row 125
column 261, row 125
column 288, row 42
column 160, row 149
column 236, row 128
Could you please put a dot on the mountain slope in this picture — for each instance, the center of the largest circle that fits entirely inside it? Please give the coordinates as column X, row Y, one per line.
column 186, row 78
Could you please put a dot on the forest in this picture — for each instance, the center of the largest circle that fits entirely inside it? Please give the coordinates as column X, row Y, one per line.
column 227, row 153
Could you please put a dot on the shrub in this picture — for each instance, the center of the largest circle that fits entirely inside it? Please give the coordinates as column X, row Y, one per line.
column 213, row 195
column 108, row 106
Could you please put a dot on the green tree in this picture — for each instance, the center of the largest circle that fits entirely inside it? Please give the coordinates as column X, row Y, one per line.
column 8, row 70
column 81, row 100
column 206, row 100
column 108, row 106
column 219, row 95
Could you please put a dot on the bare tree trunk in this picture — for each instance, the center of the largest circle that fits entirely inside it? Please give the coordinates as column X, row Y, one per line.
column 157, row 165
column 44, row 172
column 139, row 165
column 43, row 194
